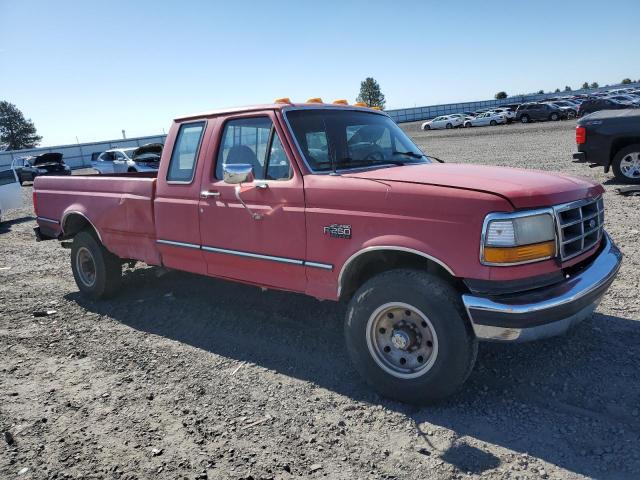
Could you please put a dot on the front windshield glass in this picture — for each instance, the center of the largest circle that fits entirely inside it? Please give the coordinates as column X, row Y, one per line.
column 336, row 139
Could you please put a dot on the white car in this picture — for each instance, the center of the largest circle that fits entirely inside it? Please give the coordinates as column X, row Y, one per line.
column 444, row 121
column 484, row 119
column 10, row 191
column 134, row 159
column 508, row 113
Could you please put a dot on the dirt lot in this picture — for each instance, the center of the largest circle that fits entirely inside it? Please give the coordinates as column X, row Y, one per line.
column 187, row 377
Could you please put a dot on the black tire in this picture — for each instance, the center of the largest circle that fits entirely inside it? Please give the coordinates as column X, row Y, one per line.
column 525, row 119
column 468, row 125
column 440, row 303
column 493, row 123
column 131, row 170
column 617, row 160
column 554, row 117
column 106, row 266
column 427, row 127
column 448, row 125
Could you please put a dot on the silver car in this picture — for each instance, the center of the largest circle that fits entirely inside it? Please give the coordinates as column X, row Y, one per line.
column 134, row 159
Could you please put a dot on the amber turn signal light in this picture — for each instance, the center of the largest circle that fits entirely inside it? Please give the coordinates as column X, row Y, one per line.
column 524, row 253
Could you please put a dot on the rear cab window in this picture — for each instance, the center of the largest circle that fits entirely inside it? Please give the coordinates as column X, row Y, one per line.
column 185, row 153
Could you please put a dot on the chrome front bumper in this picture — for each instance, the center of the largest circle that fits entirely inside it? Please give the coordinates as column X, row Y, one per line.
column 547, row 311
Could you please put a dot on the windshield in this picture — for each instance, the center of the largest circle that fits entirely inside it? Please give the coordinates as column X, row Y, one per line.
column 336, row 139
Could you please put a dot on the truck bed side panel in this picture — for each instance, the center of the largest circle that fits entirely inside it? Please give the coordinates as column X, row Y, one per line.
column 120, row 209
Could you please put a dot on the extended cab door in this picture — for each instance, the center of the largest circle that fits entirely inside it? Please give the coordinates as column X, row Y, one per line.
column 177, row 196
column 264, row 240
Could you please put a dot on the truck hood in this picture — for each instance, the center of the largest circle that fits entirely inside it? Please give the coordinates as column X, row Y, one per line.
column 521, row 187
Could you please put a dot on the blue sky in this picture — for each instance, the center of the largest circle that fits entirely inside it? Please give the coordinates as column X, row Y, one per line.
column 91, row 69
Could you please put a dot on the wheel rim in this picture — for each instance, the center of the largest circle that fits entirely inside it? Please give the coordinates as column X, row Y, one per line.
column 525, row 119
column 402, row 341
column 86, row 266
column 630, row 165
column 554, row 117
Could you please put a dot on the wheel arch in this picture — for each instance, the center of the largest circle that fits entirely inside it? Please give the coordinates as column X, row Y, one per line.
column 370, row 261
column 73, row 222
column 620, row 143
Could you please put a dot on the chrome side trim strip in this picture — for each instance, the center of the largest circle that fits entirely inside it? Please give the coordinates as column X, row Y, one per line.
column 48, row 220
column 259, row 256
column 179, row 244
column 324, row 266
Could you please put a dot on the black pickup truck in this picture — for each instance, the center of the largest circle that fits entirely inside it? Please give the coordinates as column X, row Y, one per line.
column 611, row 139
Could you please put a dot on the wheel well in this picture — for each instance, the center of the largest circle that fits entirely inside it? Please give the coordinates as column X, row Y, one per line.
column 74, row 223
column 370, row 264
column 620, row 143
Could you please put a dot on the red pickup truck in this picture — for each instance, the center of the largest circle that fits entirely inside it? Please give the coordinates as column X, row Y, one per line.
column 337, row 202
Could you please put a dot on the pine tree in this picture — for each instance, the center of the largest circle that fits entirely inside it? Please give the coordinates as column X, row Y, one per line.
column 371, row 94
column 16, row 131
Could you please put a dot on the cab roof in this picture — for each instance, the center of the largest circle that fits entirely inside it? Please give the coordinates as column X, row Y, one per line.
column 272, row 106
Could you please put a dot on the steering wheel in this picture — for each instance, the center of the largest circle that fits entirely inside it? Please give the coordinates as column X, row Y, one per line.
column 375, row 156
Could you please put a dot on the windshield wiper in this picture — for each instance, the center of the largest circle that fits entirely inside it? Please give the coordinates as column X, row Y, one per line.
column 366, row 163
column 410, row 154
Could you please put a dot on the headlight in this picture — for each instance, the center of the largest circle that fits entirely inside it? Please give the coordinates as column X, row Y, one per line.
column 517, row 238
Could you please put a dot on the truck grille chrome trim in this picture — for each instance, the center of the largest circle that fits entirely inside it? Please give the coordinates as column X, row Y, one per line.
column 259, row 256
column 579, row 226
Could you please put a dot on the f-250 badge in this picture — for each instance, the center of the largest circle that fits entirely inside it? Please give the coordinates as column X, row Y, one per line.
column 338, row 231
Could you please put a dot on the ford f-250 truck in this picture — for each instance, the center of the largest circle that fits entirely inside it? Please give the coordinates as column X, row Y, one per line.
column 337, row 202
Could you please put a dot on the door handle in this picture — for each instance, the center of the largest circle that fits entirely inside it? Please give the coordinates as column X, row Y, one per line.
column 209, row 193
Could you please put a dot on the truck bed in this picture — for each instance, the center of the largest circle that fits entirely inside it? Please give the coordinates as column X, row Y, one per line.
column 119, row 206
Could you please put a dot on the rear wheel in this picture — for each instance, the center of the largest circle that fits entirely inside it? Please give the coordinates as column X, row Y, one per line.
column 525, row 119
column 449, row 125
column 427, row 127
column 554, row 116
column 132, row 170
column 493, row 123
column 97, row 272
column 407, row 335
column 467, row 125
column 626, row 164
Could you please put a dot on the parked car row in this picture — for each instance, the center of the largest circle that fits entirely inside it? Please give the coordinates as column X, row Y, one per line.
column 552, row 109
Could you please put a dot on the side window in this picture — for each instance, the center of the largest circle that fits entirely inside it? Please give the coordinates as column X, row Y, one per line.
column 185, row 152
column 253, row 141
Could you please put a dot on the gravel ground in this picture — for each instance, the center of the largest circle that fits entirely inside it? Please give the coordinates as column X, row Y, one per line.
column 188, row 377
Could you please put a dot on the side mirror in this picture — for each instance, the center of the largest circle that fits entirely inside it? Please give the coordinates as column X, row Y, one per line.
column 238, row 173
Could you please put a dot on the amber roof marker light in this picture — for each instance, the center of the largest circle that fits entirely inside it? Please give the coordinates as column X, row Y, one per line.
column 282, row 100
column 340, row 102
column 315, row 100
column 360, row 104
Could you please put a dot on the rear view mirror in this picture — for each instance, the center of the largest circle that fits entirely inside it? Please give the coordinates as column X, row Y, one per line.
column 238, row 173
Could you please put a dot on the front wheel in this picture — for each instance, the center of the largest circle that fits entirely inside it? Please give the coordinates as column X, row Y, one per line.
column 626, row 164
column 554, row 117
column 493, row 123
column 467, row 125
column 449, row 125
column 407, row 336
column 525, row 119
column 97, row 272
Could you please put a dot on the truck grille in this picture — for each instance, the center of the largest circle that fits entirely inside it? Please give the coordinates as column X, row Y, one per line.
column 580, row 226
